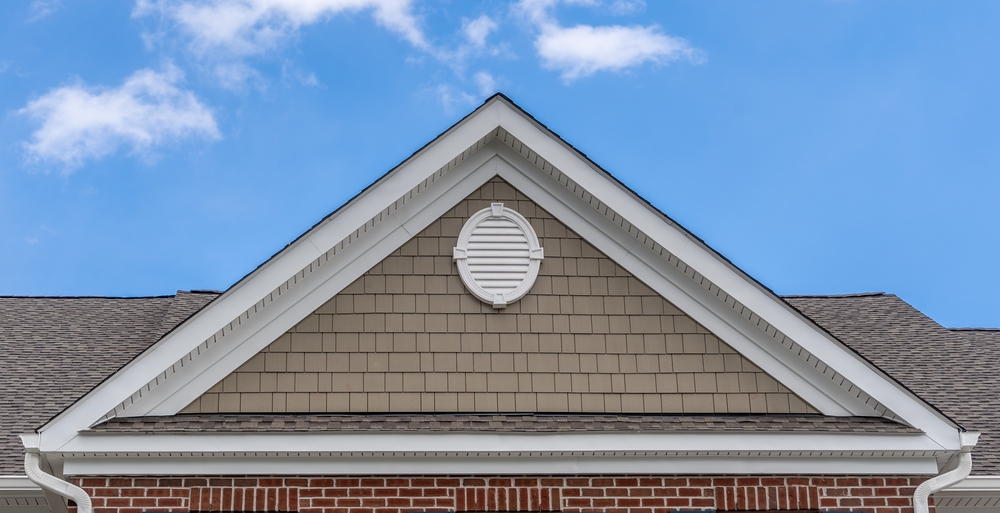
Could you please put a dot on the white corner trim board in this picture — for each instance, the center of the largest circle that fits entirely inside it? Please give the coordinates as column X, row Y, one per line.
column 498, row 255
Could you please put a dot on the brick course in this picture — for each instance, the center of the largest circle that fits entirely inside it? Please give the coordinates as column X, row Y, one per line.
column 610, row 494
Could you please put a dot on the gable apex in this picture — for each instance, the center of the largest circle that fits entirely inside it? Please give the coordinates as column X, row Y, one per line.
column 397, row 206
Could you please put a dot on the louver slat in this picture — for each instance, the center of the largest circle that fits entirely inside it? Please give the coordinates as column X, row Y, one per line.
column 498, row 255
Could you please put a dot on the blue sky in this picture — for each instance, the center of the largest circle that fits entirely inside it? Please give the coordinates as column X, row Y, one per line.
column 823, row 146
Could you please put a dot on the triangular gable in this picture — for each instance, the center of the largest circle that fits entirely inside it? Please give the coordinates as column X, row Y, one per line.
column 407, row 336
column 656, row 251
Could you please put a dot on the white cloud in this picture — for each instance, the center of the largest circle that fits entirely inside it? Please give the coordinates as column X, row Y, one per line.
column 486, row 83
column 80, row 122
column 251, row 27
column 476, row 31
column 583, row 50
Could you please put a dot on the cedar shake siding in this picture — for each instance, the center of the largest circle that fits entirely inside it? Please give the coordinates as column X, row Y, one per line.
column 408, row 337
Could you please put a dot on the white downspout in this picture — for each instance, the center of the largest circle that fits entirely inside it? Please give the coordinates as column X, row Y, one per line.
column 940, row 482
column 33, row 469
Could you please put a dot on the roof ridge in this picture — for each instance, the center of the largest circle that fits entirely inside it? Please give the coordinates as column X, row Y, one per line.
column 973, row 329
column 855, row 294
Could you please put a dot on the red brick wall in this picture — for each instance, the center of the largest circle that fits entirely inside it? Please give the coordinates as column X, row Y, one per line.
column 610, row 494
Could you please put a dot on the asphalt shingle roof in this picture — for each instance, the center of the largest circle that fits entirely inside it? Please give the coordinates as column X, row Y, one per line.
column 953, row 369
column 521, row 423
column 53, row 350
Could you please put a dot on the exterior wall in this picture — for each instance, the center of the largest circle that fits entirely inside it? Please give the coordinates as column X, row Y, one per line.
column 589, row 337
column 610, row 494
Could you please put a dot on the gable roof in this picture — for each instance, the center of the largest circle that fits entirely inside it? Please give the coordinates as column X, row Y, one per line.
column 111, row 331
column 53, row 350
column 954, row 369
column 499, row 139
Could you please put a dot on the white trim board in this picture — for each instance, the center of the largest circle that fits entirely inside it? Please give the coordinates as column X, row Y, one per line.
column 674, row 453
column 490, row 465
column 829, row 443
column 249, row 337
column 18, row 486
column 976, row 484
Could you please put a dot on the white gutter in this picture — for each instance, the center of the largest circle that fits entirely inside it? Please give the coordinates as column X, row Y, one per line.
column 940, row 482
column 33, row 468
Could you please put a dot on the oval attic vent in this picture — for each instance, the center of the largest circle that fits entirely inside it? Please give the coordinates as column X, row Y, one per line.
column 498, row 255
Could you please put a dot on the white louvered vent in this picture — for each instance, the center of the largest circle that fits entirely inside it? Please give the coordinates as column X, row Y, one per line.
column 498, row 255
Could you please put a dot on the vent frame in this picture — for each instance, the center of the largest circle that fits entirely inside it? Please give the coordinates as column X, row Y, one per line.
column 503, row 261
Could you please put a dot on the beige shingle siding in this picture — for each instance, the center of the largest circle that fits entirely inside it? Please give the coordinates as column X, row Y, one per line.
column 589, row 337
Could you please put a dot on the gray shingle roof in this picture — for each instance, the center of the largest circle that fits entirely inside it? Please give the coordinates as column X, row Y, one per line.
column 531, row 423
column 953, row 369
column 53, row 350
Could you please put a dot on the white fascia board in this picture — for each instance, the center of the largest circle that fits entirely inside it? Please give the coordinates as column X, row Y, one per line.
column 472, row 443
column 242, row 296
column 723, row 274
column 252, row 337
column 690, row 297
column 498, row 466
column 973, row 485
column 15, row 485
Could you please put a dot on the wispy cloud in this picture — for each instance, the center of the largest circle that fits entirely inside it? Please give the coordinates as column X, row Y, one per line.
column 238, row 76
column 583, row 50
column 452, row 98
column 625, row 7
column 290, row 72
column 476, row 31
column 78, row 122
column 239, row 28
column 485, row 82
column 472, row 44
column 42, row 8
